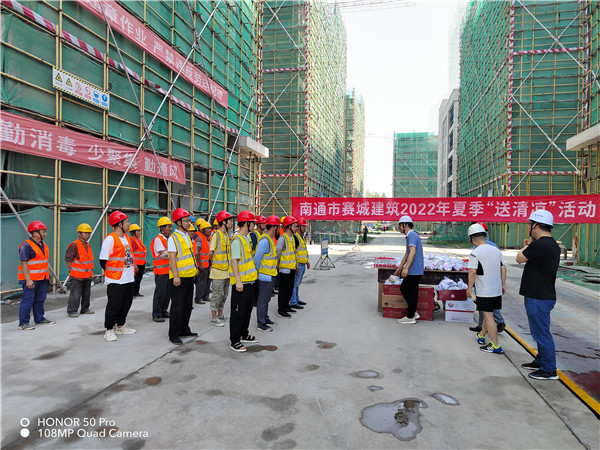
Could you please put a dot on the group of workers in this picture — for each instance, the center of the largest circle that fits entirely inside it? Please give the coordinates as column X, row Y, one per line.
column 264, row 257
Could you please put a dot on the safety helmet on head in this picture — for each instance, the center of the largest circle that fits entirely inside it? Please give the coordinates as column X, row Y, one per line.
column 202, row 224
column 223, row 215
column 180, row 213
column 116, row 217
column 134, row 227
column 273, row 220
column 163, row 221
column 542, row 216
column 282, row 219
column 475, row 229
column 301, row 221
column 246, row 216
column 192, row 227
column 84, row 228
column 261, row 219
column 405, row 219
column 36, row 225
column 485, row 227
column 289, row 220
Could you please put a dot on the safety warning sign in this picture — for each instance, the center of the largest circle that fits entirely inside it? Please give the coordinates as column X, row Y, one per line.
column 71, row 84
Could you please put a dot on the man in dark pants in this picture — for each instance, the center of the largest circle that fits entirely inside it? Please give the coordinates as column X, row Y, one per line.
column 243, row 275
column 80, row 262
column 410, row 269
column 541, row 256
column 160, row 267
column 183, row 270
column 365, row 234
column 286, row 251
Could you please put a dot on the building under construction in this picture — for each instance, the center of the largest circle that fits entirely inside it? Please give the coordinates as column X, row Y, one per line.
column 415, row 165
column 303, row 66
column 354, row 155
column 528, row 83
column 130, row 54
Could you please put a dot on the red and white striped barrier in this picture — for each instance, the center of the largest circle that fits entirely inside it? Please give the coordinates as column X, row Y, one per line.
column 285, row 69
column 281, row 175
column 544, row 172
column 546, row 51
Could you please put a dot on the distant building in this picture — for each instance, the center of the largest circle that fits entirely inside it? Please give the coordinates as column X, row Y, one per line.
column 354, row 154
column 447, row 143
column 415, row 165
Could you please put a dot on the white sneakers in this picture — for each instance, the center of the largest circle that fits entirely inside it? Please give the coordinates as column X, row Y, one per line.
column 110, row 336
column 217, row 323
column 407, row 320
column 417, row 316
column 124, row 330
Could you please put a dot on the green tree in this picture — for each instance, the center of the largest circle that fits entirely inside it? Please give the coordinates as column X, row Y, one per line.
column 371, row 194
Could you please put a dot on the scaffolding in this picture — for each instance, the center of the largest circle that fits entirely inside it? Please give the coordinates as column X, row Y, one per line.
column 415, row 165
column 303, row 102
column 354, row 156
column 191, row 128
column 520, row 99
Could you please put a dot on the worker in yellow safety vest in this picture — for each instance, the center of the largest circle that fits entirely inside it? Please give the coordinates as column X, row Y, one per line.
column 116, row 258
column 286, row 251
column 160, row 266
column 303, row 263
column 182, row 271
column 219, row 272
column 265, row 261
column 202, row 252
column 34, row 276
column 242, row 274
column 139, row 257
column 80, row 262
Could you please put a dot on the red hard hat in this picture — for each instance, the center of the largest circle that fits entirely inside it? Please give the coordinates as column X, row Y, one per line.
column 273, row 220
column 289, row 220
column 485, row 227
column 179, row 213
column 302, row 221
column 36, row 225
column 223, row 215
column 116, row 217
column 246, row 216
column 261, row 219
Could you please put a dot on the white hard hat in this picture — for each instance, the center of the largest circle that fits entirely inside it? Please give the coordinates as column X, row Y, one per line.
column 542, row 216
column 405, row 219
column 475, row 228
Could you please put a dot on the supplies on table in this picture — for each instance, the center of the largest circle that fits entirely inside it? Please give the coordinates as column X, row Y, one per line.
column 392, row 285
column 452, row 290
column 446, row 263
column 386, row 262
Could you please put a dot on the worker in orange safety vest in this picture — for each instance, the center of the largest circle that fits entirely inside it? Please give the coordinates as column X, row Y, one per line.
column 80, row 262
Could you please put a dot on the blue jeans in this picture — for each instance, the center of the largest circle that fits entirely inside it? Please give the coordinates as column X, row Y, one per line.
column 262, row 306
column 300, row 269
column 538, row 315
column 33, row 298
column 497, row 317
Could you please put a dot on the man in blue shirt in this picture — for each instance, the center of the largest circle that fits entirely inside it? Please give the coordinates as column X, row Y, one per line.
column 410, row 269
column 263, row 262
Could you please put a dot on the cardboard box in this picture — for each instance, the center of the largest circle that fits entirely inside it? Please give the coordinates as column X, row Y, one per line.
column 458, row 294
column 460, row 305
column 425, row 300
column 398, row 313
column 379, row 294
column 393, row 301
column 459, row 316
column 391, row 289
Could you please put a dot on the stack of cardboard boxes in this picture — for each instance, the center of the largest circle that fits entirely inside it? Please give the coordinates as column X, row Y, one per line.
column 457, row 307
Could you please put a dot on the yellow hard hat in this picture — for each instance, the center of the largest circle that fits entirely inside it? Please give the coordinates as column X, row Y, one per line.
column 215, row 223
column 163, row 221
column 192, row 227
column 283, row 218
column 84, row 228
column 134, row 227
column 202, row 224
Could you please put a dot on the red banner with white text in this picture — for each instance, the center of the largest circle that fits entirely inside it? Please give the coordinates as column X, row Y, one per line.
column 138, row 33
column 564, row 208
column 23, row 135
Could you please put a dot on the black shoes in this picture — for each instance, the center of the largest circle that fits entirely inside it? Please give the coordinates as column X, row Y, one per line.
column 284, row 314
column 190, row 334
column 476, row 329
column 158, row 319
column 301, row 303
column 543, row 375
column 176, row 341
column 297, row 306
column 533, row 365
column 166, row 315
column 291, row 310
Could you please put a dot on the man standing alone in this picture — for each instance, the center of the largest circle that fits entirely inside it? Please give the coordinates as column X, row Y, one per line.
column 410, row 269
column 541, row 256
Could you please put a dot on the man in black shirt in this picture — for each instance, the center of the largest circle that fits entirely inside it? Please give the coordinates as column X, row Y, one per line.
column 541, row 256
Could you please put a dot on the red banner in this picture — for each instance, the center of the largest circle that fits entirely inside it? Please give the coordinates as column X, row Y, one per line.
column 565, row 208
column 23, row 135
column 143, row 37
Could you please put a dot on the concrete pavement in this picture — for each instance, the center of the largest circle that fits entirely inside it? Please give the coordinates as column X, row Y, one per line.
column 301, row 386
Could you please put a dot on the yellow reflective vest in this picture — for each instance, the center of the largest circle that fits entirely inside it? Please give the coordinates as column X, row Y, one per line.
column 186, row 261
column 246, row 266
column 268, row 263
column 220, row 259
column 288, row 256
column 301, row 251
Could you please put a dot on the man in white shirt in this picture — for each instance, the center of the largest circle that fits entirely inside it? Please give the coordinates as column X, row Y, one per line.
column 488, row 273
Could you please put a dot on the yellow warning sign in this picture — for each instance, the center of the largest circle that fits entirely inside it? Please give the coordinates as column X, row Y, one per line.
column 68, row 83
column 58, row 78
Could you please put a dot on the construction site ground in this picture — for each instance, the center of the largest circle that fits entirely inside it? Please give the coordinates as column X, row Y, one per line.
column 311, row 383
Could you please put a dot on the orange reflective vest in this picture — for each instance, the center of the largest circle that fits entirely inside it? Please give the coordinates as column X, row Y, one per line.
column 84, row 266
column 160, row 266
column 204, row 251
column 116, row 260
column 139, row 253
column 39, row 268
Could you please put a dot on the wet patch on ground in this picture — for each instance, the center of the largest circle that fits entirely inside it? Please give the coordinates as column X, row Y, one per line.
column 400, row 418
column 588, row 381
column 51, row 355
column 325, row 345
column 366, row 374
column 445, row 399
column 374, row 388
column 283, row 403
column 201, row 342
column 117, row 387
column 309, row 368
column 270, row 434
column 134, row 444
column 260, row 348
column 185, row 349
column 175, row 361
column 579, row 355
column 97, row 333
column 153, row 381
column 397, row 370
column 308, row 280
